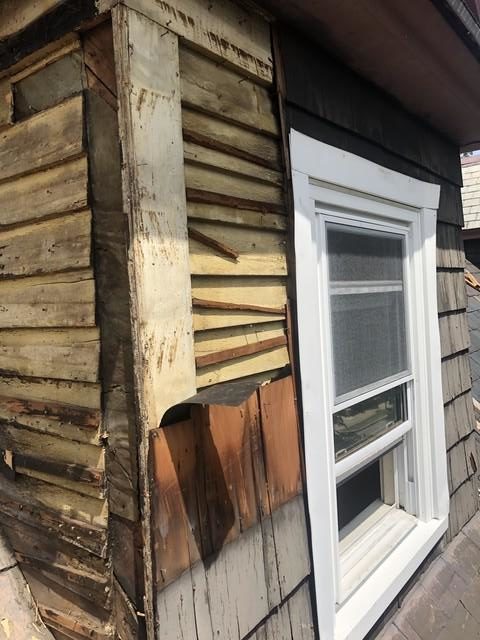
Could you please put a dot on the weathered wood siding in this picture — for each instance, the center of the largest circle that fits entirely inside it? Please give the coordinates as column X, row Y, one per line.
column 65, row 387
column 236, row 219
column 229, row 529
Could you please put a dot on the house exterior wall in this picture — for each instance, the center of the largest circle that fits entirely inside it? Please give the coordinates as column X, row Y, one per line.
column 471, row 192
column 214, row 496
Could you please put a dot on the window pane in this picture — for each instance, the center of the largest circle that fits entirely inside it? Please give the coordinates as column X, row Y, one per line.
column 360, row 254
column 369, row 342
column 356, row 493
column 367, row 301
column 367, row 420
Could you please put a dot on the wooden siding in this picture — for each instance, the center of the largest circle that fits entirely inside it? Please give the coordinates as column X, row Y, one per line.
column 471, row 193
column 237, row 221
column 54, row 374
column 229, row 525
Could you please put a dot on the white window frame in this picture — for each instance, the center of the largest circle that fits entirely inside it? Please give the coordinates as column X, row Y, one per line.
column 345, row 182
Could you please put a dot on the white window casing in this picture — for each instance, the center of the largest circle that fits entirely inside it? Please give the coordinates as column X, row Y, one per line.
column 331, row 185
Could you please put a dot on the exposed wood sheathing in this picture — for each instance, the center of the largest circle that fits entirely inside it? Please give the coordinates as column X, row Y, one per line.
column 237, row 221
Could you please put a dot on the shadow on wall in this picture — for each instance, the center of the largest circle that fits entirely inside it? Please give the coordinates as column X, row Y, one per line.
column 218, row 471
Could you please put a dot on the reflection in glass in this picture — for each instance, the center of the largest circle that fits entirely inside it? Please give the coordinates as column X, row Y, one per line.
column 367, row 420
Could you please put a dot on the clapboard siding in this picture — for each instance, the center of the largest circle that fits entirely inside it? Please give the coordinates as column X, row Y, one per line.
column 53, row 505
column 237, row 223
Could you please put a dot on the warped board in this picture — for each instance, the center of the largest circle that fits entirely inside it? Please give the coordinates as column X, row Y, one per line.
column 451, row 293
column 265, row 361
column 454, row 336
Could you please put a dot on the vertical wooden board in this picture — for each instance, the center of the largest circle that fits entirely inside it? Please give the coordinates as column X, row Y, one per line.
column 176, row 611
column 44, row 139
column 237, row 589
column 45, row 193
column 99, row 55
column 154, row 187
column 6, row 103
column 291, row 544
column 451, row 292
column 301, row 615
column 280, row 434
column 175, row 526
column 229, row 468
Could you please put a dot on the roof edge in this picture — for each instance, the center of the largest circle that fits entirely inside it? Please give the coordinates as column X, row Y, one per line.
column 461, row 19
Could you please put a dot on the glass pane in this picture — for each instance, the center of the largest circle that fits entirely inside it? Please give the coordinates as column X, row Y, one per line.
column 356, row 493
column 367, row 301
column 369, row 341
column 367, row 420
column 361, row 254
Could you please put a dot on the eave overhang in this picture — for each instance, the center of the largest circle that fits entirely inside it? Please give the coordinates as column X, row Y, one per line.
column 425, row 54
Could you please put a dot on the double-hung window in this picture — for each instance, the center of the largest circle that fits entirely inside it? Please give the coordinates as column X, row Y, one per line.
column 370, row 378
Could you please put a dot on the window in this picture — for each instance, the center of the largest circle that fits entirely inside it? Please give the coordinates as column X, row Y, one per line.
column 370, row 373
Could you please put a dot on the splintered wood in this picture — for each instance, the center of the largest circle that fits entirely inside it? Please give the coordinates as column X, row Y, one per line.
column 237, row 220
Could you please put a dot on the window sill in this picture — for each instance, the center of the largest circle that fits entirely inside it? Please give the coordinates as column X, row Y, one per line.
column 368, row 540
column 359, row 613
